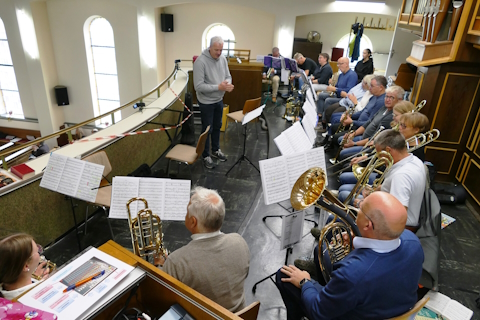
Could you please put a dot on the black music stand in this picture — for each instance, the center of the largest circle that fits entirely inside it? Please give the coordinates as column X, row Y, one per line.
column 249, row 116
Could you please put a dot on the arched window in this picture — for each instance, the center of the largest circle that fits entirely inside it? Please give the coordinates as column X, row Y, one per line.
column 365, row 43
column 222, row 30
column 102, row 67
column 10, row 104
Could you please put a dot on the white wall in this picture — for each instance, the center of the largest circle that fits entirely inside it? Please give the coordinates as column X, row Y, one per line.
column 67, row 19
column 333, row 26
column 253, row 29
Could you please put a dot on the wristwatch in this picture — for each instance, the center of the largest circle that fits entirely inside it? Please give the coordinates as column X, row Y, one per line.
column 303, row 281
column 354, row 143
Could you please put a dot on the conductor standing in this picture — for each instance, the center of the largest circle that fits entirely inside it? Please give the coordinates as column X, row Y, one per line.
column 211, row 78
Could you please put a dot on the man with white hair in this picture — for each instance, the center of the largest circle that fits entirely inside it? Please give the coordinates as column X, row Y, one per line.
column 213, row 263
column 211, row 79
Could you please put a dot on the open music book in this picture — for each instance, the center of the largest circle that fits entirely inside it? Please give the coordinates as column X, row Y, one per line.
column 76, row 178
column 449, row 309
column 167, row 198
column 293, row 140
column 280, row 174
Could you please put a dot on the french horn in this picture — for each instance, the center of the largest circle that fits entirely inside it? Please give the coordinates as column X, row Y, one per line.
column 309, row 189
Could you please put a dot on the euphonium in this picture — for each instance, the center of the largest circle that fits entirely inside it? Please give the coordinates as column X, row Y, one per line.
column 146, row 232
column 310, row 190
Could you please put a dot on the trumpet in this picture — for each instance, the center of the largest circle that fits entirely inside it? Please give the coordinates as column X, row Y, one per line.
column 342, row 127
column 309, row 189
column 342, row 144
column 146, row 232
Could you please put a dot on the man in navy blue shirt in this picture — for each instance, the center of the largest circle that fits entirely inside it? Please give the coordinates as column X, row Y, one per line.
column 346, row 81
column 377, row 280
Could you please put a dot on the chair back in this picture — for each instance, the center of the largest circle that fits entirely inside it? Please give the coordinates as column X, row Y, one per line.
column 102, row 159
column 410, row 315
column 250, row 312
column 251, row 104
column 201, row 141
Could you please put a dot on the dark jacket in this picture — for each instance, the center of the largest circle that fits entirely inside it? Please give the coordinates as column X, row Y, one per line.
column 323, row 74
column 364, row 68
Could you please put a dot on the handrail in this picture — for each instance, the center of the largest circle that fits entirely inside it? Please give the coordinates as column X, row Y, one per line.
column 67, row 130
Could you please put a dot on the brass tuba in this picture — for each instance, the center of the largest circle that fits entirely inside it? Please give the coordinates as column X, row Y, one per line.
column 146, row 232
column 310, row 190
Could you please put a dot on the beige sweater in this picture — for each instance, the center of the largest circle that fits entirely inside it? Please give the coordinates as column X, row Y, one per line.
column 216, row 267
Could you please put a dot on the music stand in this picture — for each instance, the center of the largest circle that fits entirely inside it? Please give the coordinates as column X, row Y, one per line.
column 247, row 117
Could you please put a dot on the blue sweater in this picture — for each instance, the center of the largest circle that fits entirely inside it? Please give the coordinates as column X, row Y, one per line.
column 346, row 81
column 372, row 107
column 369, row 285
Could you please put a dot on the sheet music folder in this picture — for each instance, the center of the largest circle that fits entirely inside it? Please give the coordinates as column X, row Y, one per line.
column 134, row 277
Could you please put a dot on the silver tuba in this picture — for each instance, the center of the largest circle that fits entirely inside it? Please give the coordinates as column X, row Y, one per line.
column 146, row 232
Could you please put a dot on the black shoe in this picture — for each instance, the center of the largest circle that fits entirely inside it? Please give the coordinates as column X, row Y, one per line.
column 328, row 146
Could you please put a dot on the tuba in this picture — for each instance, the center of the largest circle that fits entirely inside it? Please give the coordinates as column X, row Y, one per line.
column 146, row 232
column 309, row 189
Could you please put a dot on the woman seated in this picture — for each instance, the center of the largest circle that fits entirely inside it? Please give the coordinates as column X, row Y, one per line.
column 410, row 124
column 401, row 109
column 20, row 257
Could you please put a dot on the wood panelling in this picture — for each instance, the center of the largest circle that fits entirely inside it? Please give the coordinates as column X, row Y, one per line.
column 470, row 180
column 417, row 86
column 442, row 158
column 462, row 166
column 454, row 105
column 472, row 139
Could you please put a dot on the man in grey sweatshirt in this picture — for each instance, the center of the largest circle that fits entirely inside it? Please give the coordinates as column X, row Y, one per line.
column 211, row 79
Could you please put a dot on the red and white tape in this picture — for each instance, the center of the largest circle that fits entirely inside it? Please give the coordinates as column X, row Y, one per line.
column 113, row 136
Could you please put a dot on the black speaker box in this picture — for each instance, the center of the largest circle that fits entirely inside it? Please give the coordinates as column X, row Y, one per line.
column 166, row 22
column 62, row 95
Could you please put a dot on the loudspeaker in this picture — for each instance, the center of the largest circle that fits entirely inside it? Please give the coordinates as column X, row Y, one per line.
column 166, row 22
column 62, row 95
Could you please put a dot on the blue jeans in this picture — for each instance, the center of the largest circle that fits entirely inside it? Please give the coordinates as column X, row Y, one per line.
column 211, row 115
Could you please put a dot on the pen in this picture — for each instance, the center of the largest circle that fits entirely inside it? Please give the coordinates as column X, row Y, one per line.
column 79, row 283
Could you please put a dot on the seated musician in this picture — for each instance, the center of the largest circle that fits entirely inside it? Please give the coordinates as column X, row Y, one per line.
column 20, row 259
column 359, row 118
column 322, row 73
column 410, row 124
column 274, row 74
column 306, row 64
column 383, row 117
column 361, row 92
column 346, row 81
column 400, row 109
column 213, row 263
column 367, row 283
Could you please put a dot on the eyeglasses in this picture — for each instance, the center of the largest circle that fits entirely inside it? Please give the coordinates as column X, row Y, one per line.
column 373, row 226
column 39, row 249
column 390, row 98
column 340, row 63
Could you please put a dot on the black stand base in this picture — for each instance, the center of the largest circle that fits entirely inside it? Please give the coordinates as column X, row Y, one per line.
column 243, row 157
column 254, row 289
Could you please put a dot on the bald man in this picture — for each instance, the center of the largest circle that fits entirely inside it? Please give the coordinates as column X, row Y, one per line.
column 346, row 81
column 377, row 280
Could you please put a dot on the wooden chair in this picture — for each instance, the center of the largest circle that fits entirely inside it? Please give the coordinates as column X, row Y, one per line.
column 410, row 315
column 187, row 154
column 104, row 194
column 250, row 312
column 237, row 116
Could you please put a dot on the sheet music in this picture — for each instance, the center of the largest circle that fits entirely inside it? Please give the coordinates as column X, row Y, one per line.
column 310, row 97
column 249, row 116
column 283, row 144
column 177, row 197
column 90, row 179
column 292, row 227
column 53, row 172
column 260, row 58
column 71, row 175
column 309, row 130
column 316, row 158
column 297, row 164
column 153, row 190
column 298, row 138
column 124, row 189
column 274, row 177
column 284, row 77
